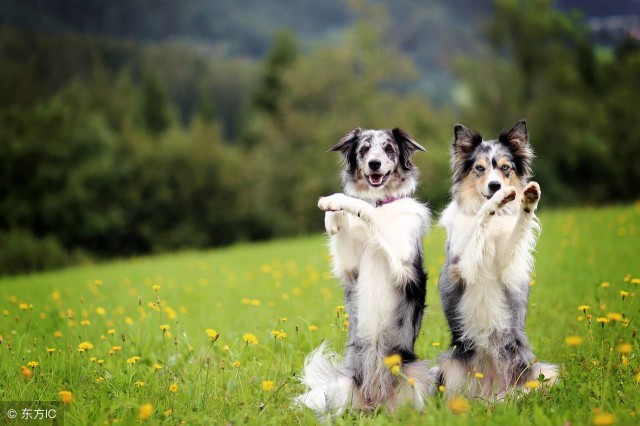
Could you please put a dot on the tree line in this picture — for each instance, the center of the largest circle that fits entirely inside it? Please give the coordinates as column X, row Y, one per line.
column 117, row 149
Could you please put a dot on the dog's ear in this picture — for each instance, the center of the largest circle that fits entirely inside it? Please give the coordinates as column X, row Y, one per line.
column 407, row 147
column 517, row 140
column 464, row 140
column 347, row 146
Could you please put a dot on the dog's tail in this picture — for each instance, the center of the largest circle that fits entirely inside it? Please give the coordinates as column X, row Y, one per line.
column 331, row 388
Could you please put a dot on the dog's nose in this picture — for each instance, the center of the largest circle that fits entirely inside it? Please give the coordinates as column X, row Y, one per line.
column 494, row 186
column 374, row 164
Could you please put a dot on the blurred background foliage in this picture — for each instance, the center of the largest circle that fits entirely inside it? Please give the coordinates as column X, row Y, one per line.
column 132, row 127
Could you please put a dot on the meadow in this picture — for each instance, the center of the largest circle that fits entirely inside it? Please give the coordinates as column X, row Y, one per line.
column 219, row 337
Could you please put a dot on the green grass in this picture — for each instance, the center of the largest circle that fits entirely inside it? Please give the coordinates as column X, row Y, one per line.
column 285, row 286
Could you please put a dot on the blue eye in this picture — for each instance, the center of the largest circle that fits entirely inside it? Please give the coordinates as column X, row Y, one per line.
column 480, row 168
column 505, row 168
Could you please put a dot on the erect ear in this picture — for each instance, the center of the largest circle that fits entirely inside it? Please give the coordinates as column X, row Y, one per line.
column 347, row 146
column 407, row 147
column 517, row 137
column 464, row 140
column 517, row 140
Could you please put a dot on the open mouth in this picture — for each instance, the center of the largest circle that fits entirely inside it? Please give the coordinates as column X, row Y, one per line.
column 377, row 179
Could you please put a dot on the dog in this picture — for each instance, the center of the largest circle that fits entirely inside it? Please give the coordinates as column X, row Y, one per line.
column 484, row 284
column 376, row 230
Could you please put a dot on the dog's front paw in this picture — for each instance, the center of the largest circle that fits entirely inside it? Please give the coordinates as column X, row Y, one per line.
column 531, row 197
column 332, row 203
column 334, row 221
column 504, row 196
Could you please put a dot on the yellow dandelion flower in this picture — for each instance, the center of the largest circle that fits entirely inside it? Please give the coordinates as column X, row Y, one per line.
column 57, row 334
column 173, row 387
column 111, row 331
column 267, row 385
column 155, row 288
column 603, row 320
column 138, row 383
column 100, row 361
column 624, row 360
column 392, row 360
column 85, row 346
column 5, row 312
column 458, row 404
column 168, row 412
column 157, row 366
column 213, row 335
column 625, row 348
column 250, row 339
column 85, row 322
column 313, row 328
column 635, row 281
column 280, row 335
column 93, row 359
column 573, row 340
column 116, row 348
column 51, row 350
column 411, row 381
column 26, row 372
column 441, row 389
column 146, row 410
column 532, row 384
column 23, row 306
column 133, row 359
column 225, row 348
column 55, row 295
column 479, row 375
column 65, row 396
column 584, row 308
column 282, row 319
column 236, row 364
column 98, row 282
column 100, row 311
column 245, row 301
column 603, row 419
column 605, row 284
column 395, row 370
column 164, row 327
column 339, row 308
column 100, row 380
column 255, row 302
column 436, row 344
column 128, row 320
column 33, row 364
column 624, row 294
column 614, row 316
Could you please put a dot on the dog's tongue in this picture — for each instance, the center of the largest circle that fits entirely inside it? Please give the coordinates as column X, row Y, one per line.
column 376, row 178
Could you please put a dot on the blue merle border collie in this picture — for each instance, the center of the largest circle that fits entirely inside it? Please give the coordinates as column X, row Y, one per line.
column 484, row 284
column 376, row 230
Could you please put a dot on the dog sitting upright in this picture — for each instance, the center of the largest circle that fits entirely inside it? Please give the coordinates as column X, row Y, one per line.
column 376, row 231
column 484, row 284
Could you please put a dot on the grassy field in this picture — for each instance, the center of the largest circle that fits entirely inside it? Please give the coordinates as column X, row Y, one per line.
column 135, row 341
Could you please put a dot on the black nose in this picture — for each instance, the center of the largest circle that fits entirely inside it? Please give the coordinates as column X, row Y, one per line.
column 374, row 164
column 494, row 186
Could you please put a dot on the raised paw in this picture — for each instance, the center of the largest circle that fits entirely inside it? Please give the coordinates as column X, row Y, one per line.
column 334, row 222
column 531, row 196
column 505, row 195
column 331, row 203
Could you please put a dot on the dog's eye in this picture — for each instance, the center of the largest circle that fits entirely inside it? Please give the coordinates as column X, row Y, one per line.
column 364, row 150
column 389, row 149
column 479, row 168
column 505, row 168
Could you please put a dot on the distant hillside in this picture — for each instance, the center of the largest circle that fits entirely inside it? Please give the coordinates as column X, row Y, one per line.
column 432, row 32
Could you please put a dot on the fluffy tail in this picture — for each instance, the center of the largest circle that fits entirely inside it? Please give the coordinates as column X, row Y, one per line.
column 331, row 388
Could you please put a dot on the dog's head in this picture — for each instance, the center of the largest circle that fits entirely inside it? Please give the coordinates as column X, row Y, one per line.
column 480, row 168
column 378, row 163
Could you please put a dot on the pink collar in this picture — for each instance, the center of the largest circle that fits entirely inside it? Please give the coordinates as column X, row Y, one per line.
column 382, row 202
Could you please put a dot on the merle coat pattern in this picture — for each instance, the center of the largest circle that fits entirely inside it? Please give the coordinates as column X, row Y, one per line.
column 376, row 232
